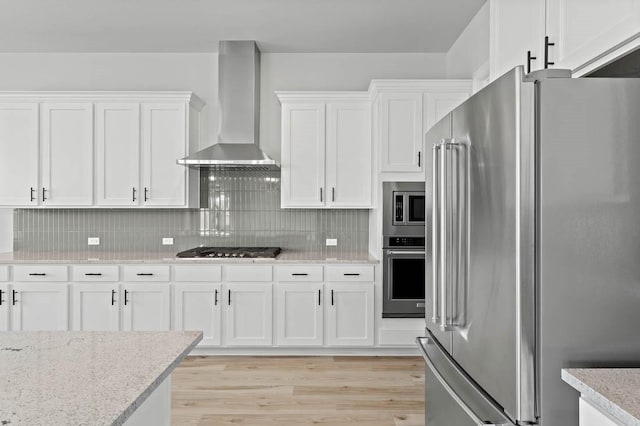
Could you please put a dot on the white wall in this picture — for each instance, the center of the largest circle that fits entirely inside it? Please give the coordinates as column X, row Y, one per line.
column 332, row 71
column 471, row 50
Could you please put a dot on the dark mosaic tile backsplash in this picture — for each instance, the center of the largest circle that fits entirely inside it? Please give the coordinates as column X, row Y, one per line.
column 244, row 210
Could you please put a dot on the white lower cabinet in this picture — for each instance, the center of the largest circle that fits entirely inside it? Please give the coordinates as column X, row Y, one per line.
column 96, row 307
column 39, row 306
column 5, row 303
column 146, row 307
column 350, row 314
column 248, row 314
column 299, row 314
column 196, row 306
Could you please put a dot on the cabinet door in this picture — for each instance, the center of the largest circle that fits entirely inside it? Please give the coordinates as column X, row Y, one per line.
column 67, row 154
column 197, row 307
column 437, row 105
column 298, row 314
column 516, row 27
column 40, row 307
column 401, row 132
column 584, row 30
column 118, row 154
column 146, row 307
column 348, row 151
column 19, row 154
column 164, row 141
column 5, row 302
column 95, row 307
column 248, row 315
column 303, row 155
column 350, row 314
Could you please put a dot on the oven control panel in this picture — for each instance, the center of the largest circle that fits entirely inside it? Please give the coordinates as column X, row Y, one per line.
column 406, row 241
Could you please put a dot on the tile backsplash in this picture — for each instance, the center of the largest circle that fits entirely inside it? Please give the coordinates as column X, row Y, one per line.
column 244, row 210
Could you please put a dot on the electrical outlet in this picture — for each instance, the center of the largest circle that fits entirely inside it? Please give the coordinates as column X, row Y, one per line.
column 167, row 241
column 332, row 241
column 93, row 241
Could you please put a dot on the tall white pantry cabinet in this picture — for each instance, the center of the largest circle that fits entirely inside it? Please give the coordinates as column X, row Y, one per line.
column 97, row 149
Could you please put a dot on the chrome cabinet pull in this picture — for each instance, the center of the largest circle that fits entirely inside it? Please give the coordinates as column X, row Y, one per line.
column 547, row 43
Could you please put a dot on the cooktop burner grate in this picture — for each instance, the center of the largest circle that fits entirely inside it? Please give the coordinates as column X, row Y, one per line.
column 233, row 252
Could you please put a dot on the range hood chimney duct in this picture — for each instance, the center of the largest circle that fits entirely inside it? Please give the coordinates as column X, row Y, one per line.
column 239, row 101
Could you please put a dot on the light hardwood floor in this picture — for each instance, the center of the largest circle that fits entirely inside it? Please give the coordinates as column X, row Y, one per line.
column 372, row 391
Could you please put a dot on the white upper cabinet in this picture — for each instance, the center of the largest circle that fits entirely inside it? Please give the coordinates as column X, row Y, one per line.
column 404, row 110
column 164, row 140
column 18, row 154
column 326, row 149
column 516, row 36
column 66, row 133
column 401, row 132
column 125, row 142
column 303, row 160
column 586, row 31
column 348, row 154
column 579, row 35
column 118, row 154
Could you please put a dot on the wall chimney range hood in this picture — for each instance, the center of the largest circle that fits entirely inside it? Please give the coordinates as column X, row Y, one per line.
column 239, row 97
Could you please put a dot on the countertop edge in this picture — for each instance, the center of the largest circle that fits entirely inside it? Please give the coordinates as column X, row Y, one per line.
column 599, row 400
column 156, row 383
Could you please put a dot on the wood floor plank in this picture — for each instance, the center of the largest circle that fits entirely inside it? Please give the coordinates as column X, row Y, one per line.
column 246, row 390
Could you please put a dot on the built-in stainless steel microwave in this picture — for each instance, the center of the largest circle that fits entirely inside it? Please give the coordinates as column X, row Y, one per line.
column 408, row 208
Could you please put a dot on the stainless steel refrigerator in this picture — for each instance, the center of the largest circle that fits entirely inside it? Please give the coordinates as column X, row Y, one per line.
column 535, row 257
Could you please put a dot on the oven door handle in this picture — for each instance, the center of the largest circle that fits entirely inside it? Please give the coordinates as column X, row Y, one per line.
column 407, row 252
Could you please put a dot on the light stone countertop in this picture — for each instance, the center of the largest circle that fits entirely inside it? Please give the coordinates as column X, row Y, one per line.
column 84, row 378
column 286, row 256
column 614, row 390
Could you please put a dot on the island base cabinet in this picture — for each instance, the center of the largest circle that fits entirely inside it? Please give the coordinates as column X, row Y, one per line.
column 350, row 314
column 299, row 314
column 39, row 306
column 95, row 307
column 248, row 314
column 146, row 307
column 5, row 302
column 592, row 416
column 197, row 307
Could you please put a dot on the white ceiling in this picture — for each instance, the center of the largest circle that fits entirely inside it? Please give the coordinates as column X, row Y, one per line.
column 197, row 25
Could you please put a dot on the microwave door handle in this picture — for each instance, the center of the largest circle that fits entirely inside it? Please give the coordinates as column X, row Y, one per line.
column 435, row 229
column 406, row 252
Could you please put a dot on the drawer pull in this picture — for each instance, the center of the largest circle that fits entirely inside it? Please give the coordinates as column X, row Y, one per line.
column 295, row 274
column 351, row 275
column 144, row 274
column 37, row 274
column 93, row 274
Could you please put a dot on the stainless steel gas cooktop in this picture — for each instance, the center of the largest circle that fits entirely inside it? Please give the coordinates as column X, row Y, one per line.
column 230, row 252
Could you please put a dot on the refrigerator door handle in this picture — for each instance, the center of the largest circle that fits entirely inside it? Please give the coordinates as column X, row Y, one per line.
column 435, row 229
column 495, row 415
column 443, row 222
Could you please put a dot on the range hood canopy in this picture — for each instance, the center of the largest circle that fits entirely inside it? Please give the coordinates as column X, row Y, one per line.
column 239, row 97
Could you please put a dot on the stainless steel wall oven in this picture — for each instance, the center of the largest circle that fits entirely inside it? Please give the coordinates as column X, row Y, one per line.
column 403, row 249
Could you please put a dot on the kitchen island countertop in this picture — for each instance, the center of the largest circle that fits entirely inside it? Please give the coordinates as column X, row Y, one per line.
column 285, row 257
column 613, row 390
column 65, row 378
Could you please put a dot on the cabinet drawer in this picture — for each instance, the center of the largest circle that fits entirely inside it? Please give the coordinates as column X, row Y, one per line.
column 133, row 273
column 299, row 273
column 207, row 274
column 249, row 273
column 350, row 273
column 40, row 273
column 102, row 273
column 4, row 273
